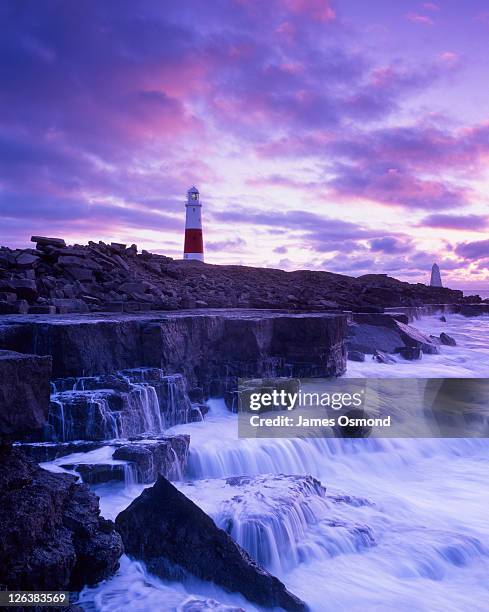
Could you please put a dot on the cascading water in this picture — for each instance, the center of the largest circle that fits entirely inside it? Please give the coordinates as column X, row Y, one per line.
column 402, row 523
column 118, row 406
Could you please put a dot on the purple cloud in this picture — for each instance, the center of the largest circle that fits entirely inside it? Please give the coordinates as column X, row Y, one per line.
column 456, row 222
column 390, row 244
column 473, row 250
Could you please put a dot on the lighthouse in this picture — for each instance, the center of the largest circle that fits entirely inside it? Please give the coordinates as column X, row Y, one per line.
column 194, row 245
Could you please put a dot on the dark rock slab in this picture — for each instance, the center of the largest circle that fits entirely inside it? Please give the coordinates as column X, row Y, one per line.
column 474, row 310
column 51, row 534
column 48, row 451
column 166, row 456
column 26, row 289
column 413, row 337
column 24, row 394
column 165, row 529
column 96, row 473
column 45, row 241
column 367, row 338
column 447, row 340
column 411, row 353
column 356, row 356
column 211, row 349
column 382, row 357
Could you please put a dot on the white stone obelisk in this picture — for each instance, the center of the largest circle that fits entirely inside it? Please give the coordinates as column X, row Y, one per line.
column 435, row 276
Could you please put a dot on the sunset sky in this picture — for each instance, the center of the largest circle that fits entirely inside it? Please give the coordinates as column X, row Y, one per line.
column 349, row 136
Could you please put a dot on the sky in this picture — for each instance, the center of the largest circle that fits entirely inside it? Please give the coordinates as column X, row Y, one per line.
column 336, row 135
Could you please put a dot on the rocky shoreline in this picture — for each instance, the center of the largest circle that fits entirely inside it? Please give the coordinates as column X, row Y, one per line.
column 56, row 278
column 98, row 359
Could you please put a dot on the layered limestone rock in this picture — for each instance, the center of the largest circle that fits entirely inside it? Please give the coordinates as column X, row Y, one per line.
column 119, row 405
column 211, row 350
column 24, row 394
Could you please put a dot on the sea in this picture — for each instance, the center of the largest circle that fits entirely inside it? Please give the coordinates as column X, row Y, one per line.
column 401, row 524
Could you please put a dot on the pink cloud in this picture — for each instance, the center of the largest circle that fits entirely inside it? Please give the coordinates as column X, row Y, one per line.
column 418, row 18
column 430, row 6
column 319, row 10
column 449, row 58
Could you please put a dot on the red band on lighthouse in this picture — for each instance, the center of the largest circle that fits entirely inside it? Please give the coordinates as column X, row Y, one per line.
column 194, row 243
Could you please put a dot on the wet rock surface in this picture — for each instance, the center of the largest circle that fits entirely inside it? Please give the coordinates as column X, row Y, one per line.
column 162, row 526
column 24, row 394
column 166, row 455
column 200, row 345
column 386, row 333
column 118, row 405
column 51, row 534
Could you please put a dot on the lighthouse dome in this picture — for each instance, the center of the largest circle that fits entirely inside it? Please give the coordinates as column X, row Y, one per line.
column 193, row 195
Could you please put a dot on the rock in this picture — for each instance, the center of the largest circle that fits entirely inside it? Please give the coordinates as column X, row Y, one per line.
column 48, row 451
column 443, row 319
column 47, row 309
column 356, row 356
column 65, row 305
column 7, row 296
column 43, row 241
column 51, row 534
column 447, row 340
column 24, row 394
column 79, row 273
column 25, row 289
column 132, row 288
column 96, row 473
column 474, row 310
column 165, row 529
column 202, row 348
column 121, row 405
column 17, row 307
column 383, row 357
column 367, row 338
column 26, row 260
column 411, row 353
column 413, row 337
column 166, row 456
column 70, row 261
column 118, row 247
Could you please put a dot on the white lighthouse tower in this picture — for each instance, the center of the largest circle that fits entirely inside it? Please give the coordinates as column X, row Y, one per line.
column 194, row 244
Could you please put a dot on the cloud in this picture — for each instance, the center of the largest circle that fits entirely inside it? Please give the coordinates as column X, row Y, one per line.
column 430, row 6
column 225, row 245
column 391, row 245
column 419, row 18
column 456, row 222
column 473, row 250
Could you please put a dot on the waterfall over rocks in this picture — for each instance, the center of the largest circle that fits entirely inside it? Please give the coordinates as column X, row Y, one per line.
column 119, row 405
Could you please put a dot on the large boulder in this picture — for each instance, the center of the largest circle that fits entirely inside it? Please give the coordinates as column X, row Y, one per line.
column 24, row 394
column 368, row 338
column 176, row 539
column 387, row 333
column 51, row 534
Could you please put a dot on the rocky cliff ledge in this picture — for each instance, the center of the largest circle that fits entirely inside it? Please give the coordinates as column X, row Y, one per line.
column 55, row 278
column 210, row 348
